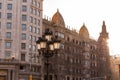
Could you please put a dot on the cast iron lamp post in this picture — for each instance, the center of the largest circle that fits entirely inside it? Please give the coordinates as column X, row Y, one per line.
column 48, row 45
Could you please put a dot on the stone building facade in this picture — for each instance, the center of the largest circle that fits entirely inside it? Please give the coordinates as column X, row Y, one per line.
column 115, row 67
column 80, row 58
column 20, row 26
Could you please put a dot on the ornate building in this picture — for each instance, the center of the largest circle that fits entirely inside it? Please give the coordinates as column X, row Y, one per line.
column 80, row 58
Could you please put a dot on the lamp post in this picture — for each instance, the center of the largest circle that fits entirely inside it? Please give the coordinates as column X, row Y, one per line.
column 48, row 45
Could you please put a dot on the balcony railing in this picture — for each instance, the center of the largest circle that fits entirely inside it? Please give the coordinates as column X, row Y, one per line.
column 9, row 61
column 13, row 61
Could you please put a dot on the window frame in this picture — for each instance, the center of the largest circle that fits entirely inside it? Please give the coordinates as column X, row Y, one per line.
column 23, row 36
column 8, row 35
column 0, row 5
column 23, row 46
column 9, row 6
column 9, row 25
column 24, row 8
column 8, row 45
column 24, row 27
column 24, row 0
column 9, row 15
column 23, row 57
column 24, row 17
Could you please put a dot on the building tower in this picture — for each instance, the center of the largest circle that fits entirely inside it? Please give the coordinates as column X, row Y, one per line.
column 20, row 26
column 103, row 51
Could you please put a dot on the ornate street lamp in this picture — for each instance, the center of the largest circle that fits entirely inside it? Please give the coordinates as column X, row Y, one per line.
column 48, row 45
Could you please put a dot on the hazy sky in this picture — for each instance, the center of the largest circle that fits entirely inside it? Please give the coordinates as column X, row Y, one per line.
column 92, row 13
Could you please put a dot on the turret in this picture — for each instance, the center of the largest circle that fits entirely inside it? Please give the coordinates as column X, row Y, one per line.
column 58, row 19
column 83, row 33
column 104, row 33
column 103, row 52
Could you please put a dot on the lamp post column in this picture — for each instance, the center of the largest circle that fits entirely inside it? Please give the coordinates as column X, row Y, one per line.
column 47, row 68
column 48, row 45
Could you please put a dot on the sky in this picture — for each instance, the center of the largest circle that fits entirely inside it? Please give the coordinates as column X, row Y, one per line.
column 92, row 13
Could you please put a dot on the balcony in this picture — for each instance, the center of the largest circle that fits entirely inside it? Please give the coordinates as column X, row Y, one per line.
column 9, row 61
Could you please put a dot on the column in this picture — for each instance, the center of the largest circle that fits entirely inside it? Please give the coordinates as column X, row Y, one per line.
column 9, row 76
column 13, row 74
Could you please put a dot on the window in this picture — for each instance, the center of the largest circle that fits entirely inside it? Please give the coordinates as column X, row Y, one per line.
column 24, row 17
column 38, row 22
column 9, row 15
column 22, row 56
column 34, row 29
column 39, row 13
column 35, row 11
column 31, row 19
column 62, row 35
column 59, row 34
column 0, row 5
column 35, row 3
column 34, row 48
column 24, row 0
column 31, row 28
column 35, row 20
column 7, row 54
column 0, row 24
column 8, row 45
column 30, row 37
column 34, row 38
column 31, row 1
column 62, row 46
column 31, row 10
column 24, row 8
column 68, row 39
column 0, row 14
column 30, row 47
column 22, row 68
column 38, row 4
column 9, row 25
column 8, row 35
column 23, row 45
column 68, row 78
column 9, row 6
column 23, row 36
column 38, row 30
column 23, row 26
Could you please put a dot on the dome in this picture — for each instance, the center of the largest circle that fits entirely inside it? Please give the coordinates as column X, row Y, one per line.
column 84, row 32
column 58, row 19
